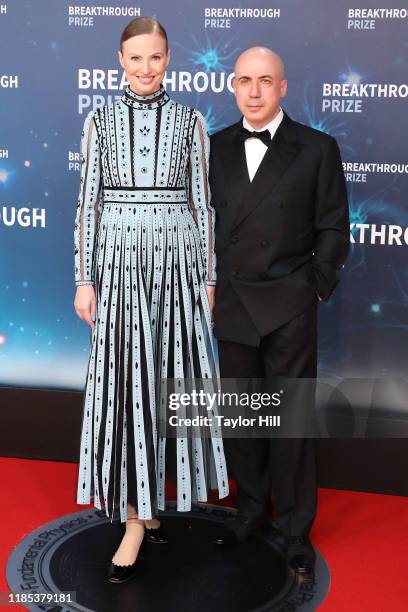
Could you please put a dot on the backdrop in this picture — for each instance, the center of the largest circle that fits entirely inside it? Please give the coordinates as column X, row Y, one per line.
column 346, row 64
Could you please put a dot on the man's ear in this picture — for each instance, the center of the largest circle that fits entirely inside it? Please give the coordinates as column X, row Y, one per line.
column 284, row 87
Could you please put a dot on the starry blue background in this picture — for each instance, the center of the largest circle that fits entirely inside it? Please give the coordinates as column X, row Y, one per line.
column 363, row 329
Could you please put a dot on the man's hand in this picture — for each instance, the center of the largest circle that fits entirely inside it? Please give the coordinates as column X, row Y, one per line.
column 85, row 304
column 211, row 300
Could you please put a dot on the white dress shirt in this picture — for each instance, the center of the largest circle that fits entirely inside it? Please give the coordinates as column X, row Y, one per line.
column 255, row 149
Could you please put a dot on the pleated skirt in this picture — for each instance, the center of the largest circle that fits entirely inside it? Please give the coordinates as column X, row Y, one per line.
column 152, row 324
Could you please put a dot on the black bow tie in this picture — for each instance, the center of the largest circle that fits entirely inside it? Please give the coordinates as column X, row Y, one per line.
column 265, row 135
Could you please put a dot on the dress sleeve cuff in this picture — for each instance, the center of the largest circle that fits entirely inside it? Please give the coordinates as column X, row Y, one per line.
column 212, row 283
column 84, row 282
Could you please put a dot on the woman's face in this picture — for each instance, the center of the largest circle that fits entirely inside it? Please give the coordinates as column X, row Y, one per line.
column 144, row 59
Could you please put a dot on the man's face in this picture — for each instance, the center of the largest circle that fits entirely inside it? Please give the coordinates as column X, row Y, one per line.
column 259, row 87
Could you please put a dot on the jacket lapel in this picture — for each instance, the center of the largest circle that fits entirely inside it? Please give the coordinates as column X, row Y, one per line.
column 281, row 153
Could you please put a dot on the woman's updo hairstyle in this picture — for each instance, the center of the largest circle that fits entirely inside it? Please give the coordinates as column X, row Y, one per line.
column 143, row 25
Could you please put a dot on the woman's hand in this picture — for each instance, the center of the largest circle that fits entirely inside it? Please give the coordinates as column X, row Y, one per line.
column 211, row 300
column 85, row 304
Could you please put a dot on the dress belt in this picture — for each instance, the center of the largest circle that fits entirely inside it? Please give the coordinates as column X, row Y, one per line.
column 144, row 195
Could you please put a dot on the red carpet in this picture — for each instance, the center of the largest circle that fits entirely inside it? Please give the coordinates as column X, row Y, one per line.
column 362, row 536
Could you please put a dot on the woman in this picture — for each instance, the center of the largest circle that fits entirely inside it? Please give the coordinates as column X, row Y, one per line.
column 145, row 270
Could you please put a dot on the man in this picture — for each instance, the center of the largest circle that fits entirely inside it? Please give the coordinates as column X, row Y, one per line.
column 282, row 234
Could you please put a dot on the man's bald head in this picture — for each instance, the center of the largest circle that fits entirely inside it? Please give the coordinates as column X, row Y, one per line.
column 259, row 84
column 263, row 54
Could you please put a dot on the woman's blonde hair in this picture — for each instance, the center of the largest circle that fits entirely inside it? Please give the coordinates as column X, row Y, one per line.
column 143, row 25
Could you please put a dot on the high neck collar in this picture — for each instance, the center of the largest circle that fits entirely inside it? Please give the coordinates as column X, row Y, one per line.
column 149, row 102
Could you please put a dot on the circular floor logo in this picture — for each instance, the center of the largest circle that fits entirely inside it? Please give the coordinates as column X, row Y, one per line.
column 62, row 567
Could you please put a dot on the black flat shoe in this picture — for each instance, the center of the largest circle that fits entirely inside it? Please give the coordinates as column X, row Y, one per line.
column 122, row 573
column 155, row 535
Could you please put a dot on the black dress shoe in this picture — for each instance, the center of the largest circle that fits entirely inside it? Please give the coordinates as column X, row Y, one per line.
column 300, row 554
column 122, row 573
column 236, row 531
column 155, row 536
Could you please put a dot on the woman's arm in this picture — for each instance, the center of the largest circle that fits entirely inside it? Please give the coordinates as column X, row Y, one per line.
column 200, row 196
column 87, row 213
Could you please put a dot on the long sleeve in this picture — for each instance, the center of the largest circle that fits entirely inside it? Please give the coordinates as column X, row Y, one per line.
column 88, row 208
column 200, row 196
column 331, row 221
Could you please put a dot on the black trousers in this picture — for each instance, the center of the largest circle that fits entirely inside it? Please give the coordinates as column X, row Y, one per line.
column 285, row 468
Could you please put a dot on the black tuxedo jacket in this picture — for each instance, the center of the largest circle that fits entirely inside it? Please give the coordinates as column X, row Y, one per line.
column 280, row 238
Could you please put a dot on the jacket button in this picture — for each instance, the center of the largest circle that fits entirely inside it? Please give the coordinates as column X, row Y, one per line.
column 264, row 276
column 233, row 272
column 264, row 242
column 224, row 203
column 280, row 205
column 234, row 240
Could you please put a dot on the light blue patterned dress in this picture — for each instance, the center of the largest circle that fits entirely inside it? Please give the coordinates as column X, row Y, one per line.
column 144, row 238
